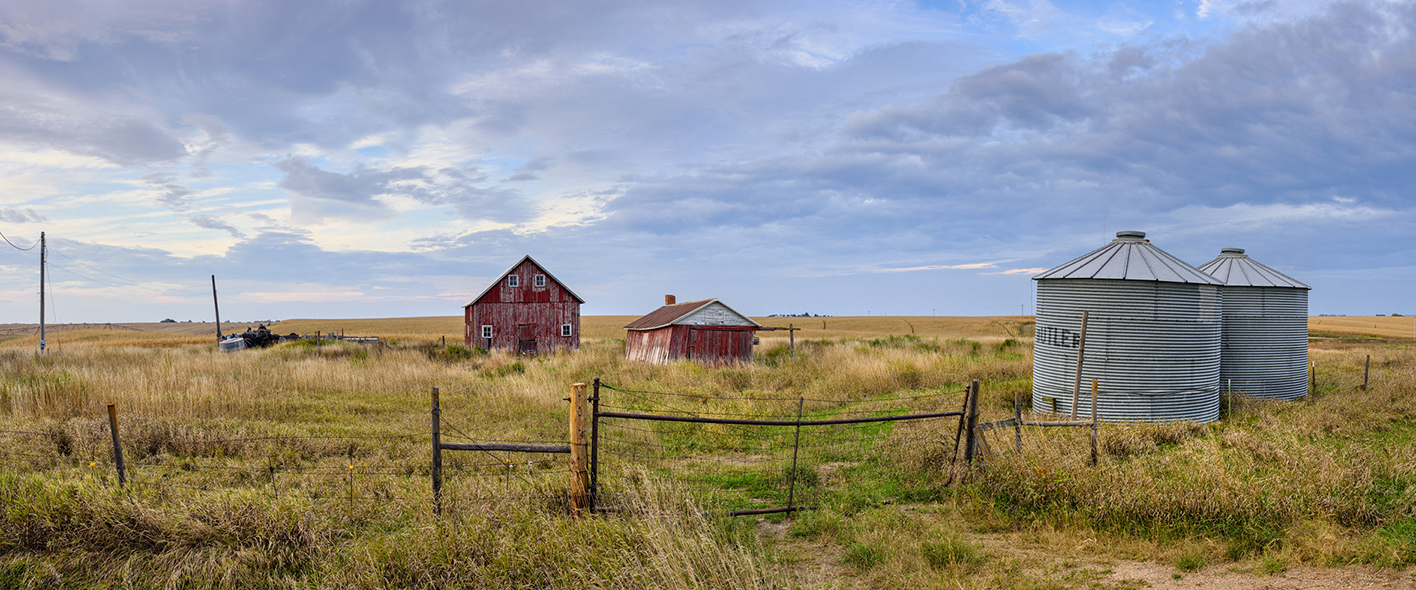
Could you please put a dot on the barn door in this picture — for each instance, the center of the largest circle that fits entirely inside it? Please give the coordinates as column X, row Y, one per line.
column 526, row 339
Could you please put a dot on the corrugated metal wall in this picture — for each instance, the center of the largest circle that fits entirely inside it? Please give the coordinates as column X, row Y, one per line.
column 1265, row 342
column 1152, row 346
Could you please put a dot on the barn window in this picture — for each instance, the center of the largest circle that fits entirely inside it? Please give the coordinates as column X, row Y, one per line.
column 486, row 331
column 565, row 330
column 513, row 281
column 538, row 281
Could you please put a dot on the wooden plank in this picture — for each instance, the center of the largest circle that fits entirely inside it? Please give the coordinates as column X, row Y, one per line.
column 1081, row 352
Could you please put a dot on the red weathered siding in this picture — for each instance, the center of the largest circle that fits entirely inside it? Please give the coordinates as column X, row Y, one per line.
column 713, row 345
column 524, row 310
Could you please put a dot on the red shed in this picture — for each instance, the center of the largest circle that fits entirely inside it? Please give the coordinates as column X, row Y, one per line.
column 526, row 310
column 706, row 331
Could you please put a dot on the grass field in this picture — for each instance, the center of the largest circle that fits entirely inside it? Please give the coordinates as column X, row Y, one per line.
column 306, row 466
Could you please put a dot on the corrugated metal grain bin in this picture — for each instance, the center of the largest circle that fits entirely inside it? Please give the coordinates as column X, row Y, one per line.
column 1264, row 346
column 1153, row 335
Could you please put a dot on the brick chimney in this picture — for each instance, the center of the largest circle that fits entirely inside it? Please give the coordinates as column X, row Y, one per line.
column 670, row 300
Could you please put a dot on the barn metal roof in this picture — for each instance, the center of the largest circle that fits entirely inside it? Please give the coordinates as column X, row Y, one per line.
column 669, row 315
column 1238, row 270
column 1130, row 257
column 513, row 267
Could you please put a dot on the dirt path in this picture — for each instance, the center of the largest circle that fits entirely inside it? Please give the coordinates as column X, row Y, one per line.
column 820, row 565
column 1225, row 577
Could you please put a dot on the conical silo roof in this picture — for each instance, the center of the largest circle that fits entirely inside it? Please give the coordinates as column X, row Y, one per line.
column 1238, row 270
column 1130, row 257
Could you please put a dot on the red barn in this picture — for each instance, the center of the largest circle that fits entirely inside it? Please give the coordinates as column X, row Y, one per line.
column 526, row 310
column 706, row 331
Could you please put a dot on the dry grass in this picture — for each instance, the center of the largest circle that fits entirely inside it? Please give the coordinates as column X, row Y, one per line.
column 1398, row 327
column 1327, row 480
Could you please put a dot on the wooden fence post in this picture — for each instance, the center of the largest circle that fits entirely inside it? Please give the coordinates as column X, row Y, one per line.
column 579, row 449
column 437, row 455
column 1366, row 371
column 1018, row 421
column 970, row 424
column 1094, row 424
column 117, row 448
column 1081, row 351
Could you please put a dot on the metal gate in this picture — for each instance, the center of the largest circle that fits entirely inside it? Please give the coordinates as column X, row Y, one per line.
column 755, row 454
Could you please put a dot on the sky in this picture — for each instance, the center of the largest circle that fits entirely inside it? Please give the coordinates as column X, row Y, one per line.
column 351, row 158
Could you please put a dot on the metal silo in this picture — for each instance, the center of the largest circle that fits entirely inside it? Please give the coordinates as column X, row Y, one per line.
column 1264, row 344
column 1153, row 335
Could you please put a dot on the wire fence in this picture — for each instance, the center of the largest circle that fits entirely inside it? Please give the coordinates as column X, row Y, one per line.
column 757, row 454
column 353, row 468
column 737, row 453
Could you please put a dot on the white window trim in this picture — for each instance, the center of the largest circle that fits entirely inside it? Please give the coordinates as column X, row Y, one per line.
column 538, row 281
column 565, row 330
column 486, row 331
column 513, row 281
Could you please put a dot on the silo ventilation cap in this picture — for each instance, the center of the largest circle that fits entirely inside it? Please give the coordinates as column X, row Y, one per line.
column 1130, row 236
column 1231, row 251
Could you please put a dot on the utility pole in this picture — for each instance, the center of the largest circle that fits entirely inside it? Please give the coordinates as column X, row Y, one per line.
column 42, row 254
column 217, row 306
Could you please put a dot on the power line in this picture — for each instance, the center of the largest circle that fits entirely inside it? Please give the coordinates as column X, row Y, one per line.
column 12, row 244
column 124, row 288
column 116, row 277
column 92, row 268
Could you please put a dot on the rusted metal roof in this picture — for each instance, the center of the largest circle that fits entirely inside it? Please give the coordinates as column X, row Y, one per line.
column 669, row 315
column 1238, row 270
column 1130, row 257
column 502, row 277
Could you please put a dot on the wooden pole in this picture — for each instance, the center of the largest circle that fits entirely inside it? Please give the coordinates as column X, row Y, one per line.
column 43, row 254
column 1366, row 371
column 971, row 422
column 437, row 455
column 1018, row 421
column 217, row 306
column 1081, row 351
column 1313, row 371
column 579, row 449
column 791, row 338
column 1094, row 424
column 963, row 416
column 117, row 448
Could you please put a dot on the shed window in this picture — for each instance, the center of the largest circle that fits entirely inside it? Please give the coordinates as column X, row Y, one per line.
column 486, row 331
column 565, row 330
column 538, row 281
column 513, row 281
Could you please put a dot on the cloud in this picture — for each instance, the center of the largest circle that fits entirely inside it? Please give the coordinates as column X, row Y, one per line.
column 173, row 196
column 212, row 222
column 970, row 266
column 320, row 194
column 12, row 215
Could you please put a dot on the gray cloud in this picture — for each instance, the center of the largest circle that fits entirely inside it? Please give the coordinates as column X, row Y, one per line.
column 322, row 194
column 173, row 196
column 12, row 215
column 212, row 222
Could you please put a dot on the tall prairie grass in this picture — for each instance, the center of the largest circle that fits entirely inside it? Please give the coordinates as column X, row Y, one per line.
column 306, row 466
